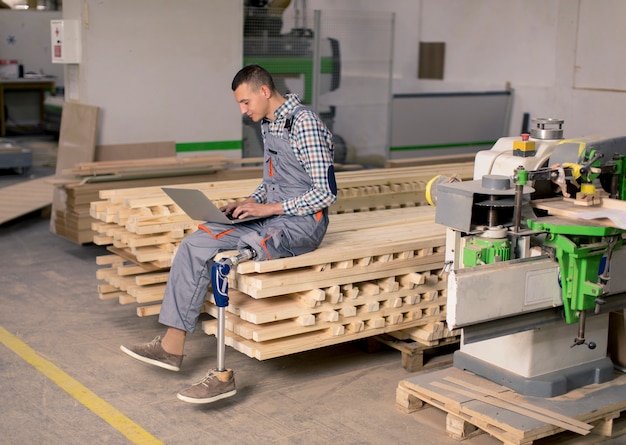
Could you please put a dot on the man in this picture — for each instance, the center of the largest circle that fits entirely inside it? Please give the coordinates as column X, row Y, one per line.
column 298, row 187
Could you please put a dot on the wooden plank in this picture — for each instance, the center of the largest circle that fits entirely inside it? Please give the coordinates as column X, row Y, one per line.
column 527, row 410
column 146, row 311
column 24, row 197
column 610, row 213
column 134, row 151
column 77, row 136
column 509, row 397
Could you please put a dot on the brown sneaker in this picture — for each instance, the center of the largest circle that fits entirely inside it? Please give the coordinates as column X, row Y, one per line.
column 154, row 354
column 214, row 386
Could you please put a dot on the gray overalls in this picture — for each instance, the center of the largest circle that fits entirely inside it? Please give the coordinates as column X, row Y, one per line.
column 275, row 237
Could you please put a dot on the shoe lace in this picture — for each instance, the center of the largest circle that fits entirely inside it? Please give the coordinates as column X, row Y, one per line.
column 207, row 378
column 155, row 341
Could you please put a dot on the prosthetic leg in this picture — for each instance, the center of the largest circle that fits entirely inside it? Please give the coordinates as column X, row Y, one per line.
column 219, row 383
column 219, row 280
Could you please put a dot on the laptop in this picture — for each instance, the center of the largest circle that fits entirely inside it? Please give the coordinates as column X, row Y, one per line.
column 196, row 204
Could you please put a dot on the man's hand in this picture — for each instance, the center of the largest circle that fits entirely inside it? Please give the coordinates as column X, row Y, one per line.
column 249, row 207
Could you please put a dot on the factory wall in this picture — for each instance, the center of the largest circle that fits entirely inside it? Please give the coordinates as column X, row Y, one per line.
column 560, row 56
column 159, row 70
column 25, row 37
column 563, row 58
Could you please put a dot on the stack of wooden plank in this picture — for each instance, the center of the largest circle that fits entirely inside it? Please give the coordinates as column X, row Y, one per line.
column 376, row 272
column 77, row 187
column 82, row 185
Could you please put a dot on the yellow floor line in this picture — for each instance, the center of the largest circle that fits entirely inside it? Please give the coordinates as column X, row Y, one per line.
column 105, row 411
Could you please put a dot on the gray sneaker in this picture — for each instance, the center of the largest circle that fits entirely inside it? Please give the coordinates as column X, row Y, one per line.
column 214, row 386
column 154, row 354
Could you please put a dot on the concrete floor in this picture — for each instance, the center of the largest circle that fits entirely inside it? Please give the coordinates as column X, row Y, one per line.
column 54, row 393
column 340, row 395
column 75, row 386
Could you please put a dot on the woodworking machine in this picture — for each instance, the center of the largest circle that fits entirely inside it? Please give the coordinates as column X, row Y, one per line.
column 531, row 245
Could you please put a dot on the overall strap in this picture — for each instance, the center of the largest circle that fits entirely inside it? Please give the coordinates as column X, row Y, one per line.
column 289, row 120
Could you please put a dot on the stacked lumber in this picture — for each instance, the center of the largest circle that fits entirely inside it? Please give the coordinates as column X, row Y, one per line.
column 375, row 272
column 144, row 225
column 77, row 187
column 83, row 184
column 77, row 143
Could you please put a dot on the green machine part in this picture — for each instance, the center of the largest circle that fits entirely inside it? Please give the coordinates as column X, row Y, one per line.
column 612, row 174
column 579, row 252
column 479, row 251
column 591, row 157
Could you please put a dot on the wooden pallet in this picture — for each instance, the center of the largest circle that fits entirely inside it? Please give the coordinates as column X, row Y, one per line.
column 417, row 356
column 475, row 405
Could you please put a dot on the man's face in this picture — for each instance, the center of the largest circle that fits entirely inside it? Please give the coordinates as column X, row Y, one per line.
column 252, row 101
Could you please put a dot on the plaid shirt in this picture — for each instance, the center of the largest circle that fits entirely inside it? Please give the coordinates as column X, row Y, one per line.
column 312, row 145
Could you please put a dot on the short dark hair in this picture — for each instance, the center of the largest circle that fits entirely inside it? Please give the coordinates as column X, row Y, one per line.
column 254, row 75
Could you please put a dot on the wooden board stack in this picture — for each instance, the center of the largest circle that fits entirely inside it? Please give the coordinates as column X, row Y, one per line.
column 376, row 272
column 84, row 182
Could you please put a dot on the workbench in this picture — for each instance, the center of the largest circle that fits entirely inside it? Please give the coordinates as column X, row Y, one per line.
column 41, row 85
